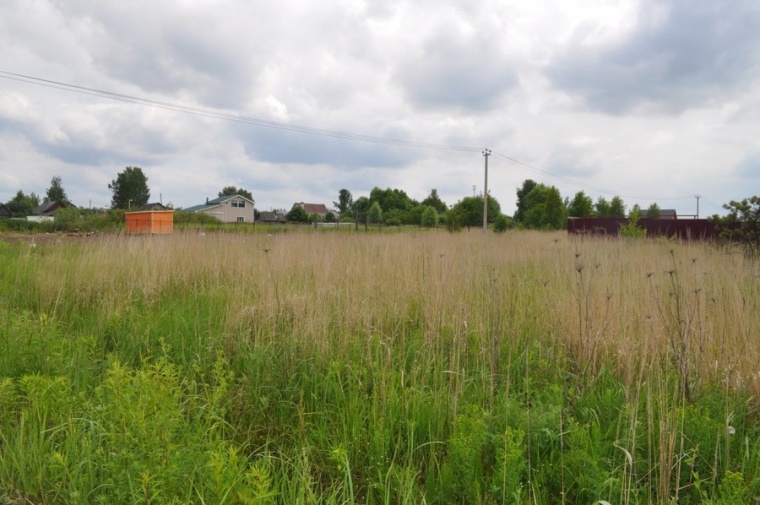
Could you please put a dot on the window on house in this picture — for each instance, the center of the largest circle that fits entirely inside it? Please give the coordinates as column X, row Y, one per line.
column 240, row 219
column 238, row 203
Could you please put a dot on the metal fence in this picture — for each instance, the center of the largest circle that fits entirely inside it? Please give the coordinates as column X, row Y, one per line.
column 685, row 229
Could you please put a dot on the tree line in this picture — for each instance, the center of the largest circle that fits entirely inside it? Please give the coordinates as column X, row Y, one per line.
column 538, row 207
column 128, row 190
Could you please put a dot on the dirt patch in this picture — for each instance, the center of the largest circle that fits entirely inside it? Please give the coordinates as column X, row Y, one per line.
column 44, row 238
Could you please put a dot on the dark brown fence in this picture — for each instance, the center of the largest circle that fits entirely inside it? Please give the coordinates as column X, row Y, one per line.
column 686, row 229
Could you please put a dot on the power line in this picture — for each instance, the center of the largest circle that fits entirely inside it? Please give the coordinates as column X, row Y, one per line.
column 265, row 123
column 226, row 116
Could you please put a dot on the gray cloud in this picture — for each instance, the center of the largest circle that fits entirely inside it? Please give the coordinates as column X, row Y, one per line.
column 453, row 70
column 681, row 54
column 280, row 146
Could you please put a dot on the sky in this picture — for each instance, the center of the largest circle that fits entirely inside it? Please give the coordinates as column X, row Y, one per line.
column 651, row 100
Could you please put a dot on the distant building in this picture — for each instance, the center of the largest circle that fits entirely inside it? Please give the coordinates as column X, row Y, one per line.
column 664, row 214
column 153, row 206
column 5, row 212
column 49, row 208
column 319, row 209
column 227, row 209
column 271, row 217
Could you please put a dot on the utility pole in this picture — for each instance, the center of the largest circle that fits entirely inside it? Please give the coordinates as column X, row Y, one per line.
column 698, row 196
column 486, row 154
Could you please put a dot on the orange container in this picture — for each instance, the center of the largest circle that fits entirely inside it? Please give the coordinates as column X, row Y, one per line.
column 150, row 221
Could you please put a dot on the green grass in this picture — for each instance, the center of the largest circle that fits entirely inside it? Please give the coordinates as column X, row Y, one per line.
column 379, row 369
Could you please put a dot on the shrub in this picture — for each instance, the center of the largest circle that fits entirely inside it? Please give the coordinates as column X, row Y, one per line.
column 632, row 228
column 503, row 223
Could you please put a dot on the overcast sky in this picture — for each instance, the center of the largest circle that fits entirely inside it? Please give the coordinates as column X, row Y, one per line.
column 650, row 100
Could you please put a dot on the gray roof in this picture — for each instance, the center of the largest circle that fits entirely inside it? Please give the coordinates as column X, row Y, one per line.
column 153, row 206
column 50, row 207
column 271, row 217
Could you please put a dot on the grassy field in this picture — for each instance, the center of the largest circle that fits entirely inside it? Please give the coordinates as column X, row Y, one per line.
column 406, row 368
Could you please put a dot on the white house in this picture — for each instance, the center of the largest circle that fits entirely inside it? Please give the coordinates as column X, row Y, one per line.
column 227, row 209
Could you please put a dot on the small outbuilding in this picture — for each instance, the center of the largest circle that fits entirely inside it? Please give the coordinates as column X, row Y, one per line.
column 150, row 221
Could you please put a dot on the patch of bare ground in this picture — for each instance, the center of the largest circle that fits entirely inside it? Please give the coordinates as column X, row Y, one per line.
column 45, row 238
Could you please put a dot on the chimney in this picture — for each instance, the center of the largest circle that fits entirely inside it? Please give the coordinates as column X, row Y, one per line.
column 206, row 200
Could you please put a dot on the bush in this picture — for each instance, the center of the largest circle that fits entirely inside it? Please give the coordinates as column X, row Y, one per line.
column 194, row 218
column 632, row 229
column 503, row 223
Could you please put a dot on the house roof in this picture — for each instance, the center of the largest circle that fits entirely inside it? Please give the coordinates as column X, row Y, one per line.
column 216, row 202
column 4, row 210
column 271, row 217
column 50, row 207
column 314, row 208
column 153, row 206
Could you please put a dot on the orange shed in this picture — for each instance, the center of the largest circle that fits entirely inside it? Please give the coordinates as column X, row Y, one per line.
column 150, row 221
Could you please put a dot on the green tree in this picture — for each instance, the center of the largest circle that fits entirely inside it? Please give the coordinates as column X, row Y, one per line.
column 330, row 217
column 555, row 213
column 390, row 199
column 581, row 206
column 433, row 200
column 414, row 215
column 617, row 207
column 360, row 208
column 653, row 212
column 470, row 210
column 602, row 207
column 453, row 220
column 56, row 193
column 522, row 203
column 395, row 217
column 130, row 188
column 232, row 191
column 22, row 205
column 297, row 214
column 344, row 201
column 544, row 208
column 741, row 224
column 429, row 217
column 375, row 213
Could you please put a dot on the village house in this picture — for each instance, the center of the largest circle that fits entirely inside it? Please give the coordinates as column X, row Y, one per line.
column 319, row 209
column 227, row 209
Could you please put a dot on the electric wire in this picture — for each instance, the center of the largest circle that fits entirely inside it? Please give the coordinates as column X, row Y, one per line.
column 266, row 123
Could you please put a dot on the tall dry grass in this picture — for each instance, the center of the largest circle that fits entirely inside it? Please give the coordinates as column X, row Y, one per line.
column 628, row 305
